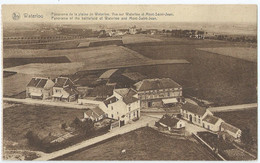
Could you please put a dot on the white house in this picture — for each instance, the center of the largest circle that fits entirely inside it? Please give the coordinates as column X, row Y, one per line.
column 194, row 113
column 231, row 130
column 212, row 123
column 123, row 105
column 95, row 114
column 171, row 122
column 39, row 88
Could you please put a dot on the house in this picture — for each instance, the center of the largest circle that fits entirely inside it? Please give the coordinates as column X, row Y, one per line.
column 64, row 90
column 231, row 130
column 212, row 123
column 95, row 114
column 151, row 92
column 194, row 113
column 39, row 88
column 123, row 105
column 171, row 122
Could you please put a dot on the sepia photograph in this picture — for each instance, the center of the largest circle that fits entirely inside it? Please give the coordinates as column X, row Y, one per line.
column 129, row 82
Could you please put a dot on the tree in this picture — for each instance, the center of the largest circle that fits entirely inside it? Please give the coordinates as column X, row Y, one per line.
column 247, row 138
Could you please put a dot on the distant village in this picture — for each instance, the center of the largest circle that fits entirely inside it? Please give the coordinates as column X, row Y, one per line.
column 131, row 93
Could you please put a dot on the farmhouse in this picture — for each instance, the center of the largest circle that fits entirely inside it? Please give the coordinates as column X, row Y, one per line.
column 194, row 113
column 95, row 114
column 64, row 90
column 171, row 122
column 231, row 130
column 212, row 123
column 39, row 88
column 123, row 105
column 151, row 92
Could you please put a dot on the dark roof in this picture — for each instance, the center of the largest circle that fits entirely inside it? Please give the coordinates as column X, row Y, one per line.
column 211, row 119
column 110, row 100
column 134, row 76
column 95, row 112
column 42, row 83
column 98, row 111
column 62, row 82
column 169, row 121
column 71, row 90
column 155, row 84
column 229, row 127
column 194, row 108
column 108, row 74
column 127, row 95
column 37, row 82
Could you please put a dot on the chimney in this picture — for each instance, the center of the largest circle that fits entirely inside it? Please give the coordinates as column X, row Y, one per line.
column 56, row 79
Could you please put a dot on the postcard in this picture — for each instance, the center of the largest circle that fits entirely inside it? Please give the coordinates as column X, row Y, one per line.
column 129, row 82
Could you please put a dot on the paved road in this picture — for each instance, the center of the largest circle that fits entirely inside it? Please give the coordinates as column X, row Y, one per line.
column 117, row 131
column 233, row 107
column 50, row 103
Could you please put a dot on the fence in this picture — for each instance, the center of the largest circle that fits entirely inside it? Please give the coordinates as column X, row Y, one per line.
column 208, row 146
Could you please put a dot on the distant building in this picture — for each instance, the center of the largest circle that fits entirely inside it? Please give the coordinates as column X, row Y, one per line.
column 39, row 88
column 171, row 122
column 132, row 30
column 95, row 114
column 107, row 76
column 123, row 105
column 64, row 90
column 151, row 92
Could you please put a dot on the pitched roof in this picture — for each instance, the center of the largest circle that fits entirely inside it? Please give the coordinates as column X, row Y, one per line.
column 155, row 84
column 71, row 90
column 37, row 82
column 211, row 119
column 135, row 76
column 98, row 111
column 169, row 121
column 110, row 100
column 127, row 95
column 63, row 82
column 194, row 108
column 108, row 74
column 229, row 127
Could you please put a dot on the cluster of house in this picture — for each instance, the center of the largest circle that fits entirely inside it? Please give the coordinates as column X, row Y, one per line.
column 202, row 117
column 59, row 89
column 125, row 104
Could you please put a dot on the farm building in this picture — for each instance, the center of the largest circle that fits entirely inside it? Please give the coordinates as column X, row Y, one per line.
column 212, row 123
column 171, row 122
column 39, row 88
column 64, row 90
column 108, row 77
column 151, row 92
column 231, row 130
column 123, row 105
column 194, row 113
column 95, row 114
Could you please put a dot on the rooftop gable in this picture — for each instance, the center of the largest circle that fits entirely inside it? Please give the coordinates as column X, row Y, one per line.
column 169, row 121
column 229, row 127
column 195, row 109
column 211, row 119
column 156, row 84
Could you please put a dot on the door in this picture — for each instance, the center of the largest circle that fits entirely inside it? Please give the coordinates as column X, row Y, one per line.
column 149, row 104
column 190, row 118
column 122, row 123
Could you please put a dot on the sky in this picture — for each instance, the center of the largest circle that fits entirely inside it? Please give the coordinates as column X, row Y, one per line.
column 181, row 13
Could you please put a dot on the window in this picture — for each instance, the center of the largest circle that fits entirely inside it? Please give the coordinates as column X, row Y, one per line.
column 112, row 115
column 195, row 119
column 180, row 125
column 129, row 108
column 117, row 113
column 111, row 107
column 199, row 120
column 168, row 93
column 208, row 127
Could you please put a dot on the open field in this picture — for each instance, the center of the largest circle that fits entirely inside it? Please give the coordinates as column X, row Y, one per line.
column 248, row 54
column 213, row 77
column 12, row 62
column 144, row 144
column 42, row 120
